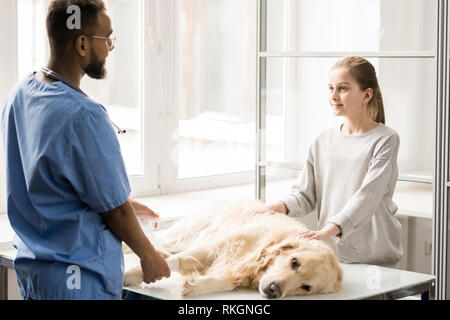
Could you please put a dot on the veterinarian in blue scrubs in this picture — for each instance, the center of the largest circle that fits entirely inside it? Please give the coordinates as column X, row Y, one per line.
column 67, row 187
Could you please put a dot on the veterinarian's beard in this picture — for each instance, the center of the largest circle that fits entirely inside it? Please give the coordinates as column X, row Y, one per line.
column 95, row 69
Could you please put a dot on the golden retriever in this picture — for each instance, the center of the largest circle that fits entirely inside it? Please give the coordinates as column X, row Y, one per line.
column 248, row 247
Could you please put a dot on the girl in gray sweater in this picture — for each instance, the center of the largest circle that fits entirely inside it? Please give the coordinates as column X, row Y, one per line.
column 351, row 172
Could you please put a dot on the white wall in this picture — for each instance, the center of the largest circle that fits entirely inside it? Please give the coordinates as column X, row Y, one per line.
column 8, row 65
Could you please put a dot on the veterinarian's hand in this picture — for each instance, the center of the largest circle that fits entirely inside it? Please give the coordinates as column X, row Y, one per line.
column 154, row 267
column 142, row 210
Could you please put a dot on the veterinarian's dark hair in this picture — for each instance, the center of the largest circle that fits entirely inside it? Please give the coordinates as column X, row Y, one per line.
column 59, row 35
column 366, row 77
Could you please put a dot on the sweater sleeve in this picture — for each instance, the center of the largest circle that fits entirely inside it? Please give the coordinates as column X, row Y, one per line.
column 366, row 200
column 302, row 197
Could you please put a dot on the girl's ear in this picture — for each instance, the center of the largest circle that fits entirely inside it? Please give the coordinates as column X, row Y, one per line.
column 368, row 95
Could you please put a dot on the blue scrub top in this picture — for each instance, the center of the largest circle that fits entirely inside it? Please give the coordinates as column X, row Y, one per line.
column 64, row 167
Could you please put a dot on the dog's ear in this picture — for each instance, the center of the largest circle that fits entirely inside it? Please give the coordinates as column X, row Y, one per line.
column 256, row 262
column 285, row 245
column 275, row 248
column 264, row 255
column 268, row 251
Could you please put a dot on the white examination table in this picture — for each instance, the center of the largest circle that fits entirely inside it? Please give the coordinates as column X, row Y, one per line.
column 361, row 281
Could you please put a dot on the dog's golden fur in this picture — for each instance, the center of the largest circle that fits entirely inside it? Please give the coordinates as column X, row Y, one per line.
column 250, row 247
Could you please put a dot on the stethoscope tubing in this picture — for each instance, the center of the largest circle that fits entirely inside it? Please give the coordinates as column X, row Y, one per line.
column 56, row 76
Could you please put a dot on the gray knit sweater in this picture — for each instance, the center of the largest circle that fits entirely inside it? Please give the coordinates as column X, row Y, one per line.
column 350, row 180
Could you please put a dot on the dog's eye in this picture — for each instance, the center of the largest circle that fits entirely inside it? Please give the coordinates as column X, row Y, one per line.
column 294, row 263
column 305, row 287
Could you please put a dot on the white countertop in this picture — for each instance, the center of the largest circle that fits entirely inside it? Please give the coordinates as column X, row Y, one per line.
column 412, row 199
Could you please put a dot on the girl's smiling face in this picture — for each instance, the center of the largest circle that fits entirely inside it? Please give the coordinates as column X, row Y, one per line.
column 346, row 97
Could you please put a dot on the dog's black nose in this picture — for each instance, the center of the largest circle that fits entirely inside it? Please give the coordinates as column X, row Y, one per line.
column 273, row 291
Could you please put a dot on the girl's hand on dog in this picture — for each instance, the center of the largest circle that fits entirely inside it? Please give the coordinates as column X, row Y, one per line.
column 324, row 234
column 311, row 235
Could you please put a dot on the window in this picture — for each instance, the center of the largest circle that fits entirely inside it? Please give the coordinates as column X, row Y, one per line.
column 32, row 35
column 181, row 81
column 120, row 93
column 187, row 92
column 202, row 71
column 216, row 67
column 303, row 40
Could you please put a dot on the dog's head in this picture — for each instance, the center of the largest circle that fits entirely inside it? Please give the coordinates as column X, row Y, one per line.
column 300, row 267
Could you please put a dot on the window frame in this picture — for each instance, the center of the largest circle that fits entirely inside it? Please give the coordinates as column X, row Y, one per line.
column 160, row 111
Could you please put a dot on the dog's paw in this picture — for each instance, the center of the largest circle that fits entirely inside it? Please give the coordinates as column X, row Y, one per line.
column 133, row 277
column 189, row 287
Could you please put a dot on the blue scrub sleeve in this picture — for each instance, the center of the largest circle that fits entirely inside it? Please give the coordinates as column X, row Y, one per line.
column 94, row 164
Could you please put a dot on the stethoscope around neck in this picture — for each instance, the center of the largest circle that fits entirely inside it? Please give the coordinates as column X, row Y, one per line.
column 56, row 76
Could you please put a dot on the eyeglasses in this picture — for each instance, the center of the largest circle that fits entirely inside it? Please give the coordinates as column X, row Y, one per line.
column 109, row 40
